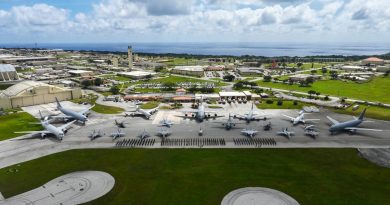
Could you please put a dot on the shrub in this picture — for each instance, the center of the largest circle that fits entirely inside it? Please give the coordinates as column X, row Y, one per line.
column 269, row 101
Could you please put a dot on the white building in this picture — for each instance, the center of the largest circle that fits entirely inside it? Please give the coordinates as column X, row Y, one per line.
column 137, row 74
column 189, row 70
column 8, row 73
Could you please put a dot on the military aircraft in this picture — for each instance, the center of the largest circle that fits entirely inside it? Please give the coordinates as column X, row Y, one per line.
column 95, row 135
column 249, row 132
column 267, row 127
column 166, row 123
column 120, row 124
column 300, row 118
column 251, row 116
column 200, row 114
column 350, row 126
column 229, row 124
column 70, row 114
column 164, row 132
column 117, row 134
column 200, row 132
column 58, row 132
column 286, row 133
column 141, row 112
column 144, row 135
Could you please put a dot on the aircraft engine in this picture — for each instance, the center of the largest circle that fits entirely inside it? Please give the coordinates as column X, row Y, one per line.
column 193, row 115
column 185, row 115
column 215, row 115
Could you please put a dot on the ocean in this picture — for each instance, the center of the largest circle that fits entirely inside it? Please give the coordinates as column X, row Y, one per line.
column 268, row 49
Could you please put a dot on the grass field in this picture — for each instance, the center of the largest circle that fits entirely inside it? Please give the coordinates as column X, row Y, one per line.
column 17, row 122
column 205, row 176
column 287, row 104
column 150, row 105
column 374, row 112
column 103, row 109
column 375, row 90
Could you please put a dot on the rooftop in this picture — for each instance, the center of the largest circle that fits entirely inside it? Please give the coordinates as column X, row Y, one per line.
column 7, row 68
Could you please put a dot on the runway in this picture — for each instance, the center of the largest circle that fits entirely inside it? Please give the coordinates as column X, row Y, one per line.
column 15, row 151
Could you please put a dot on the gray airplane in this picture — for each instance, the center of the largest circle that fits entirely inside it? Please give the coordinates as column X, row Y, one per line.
column 141, row 112
column 166, row 123
column 251, row 116
column 249, row 132
column 229, row 124
column 200, row 114
column 144, row 135
column 117, row 134
column 120, row 124
column 286, row 133
column 164, row 132
column 300, row 118
column 95, row 135
column 350, row 126
column 58, row 132
column 70, row 114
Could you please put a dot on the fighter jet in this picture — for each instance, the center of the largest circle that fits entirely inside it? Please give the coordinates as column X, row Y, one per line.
column 120, row 124
column 164, row 132
column 166, row 123
column 70, row 114
column 300, row 118
column 141, row 112
column 144, row 135
column 312, row 133
column 229, row 124
column 350, row 126
column 249, row 132
column 286, row 133
column 200, row 114
column 117, row 134
column 58, row 132
column 95, row 135
column 251, row 116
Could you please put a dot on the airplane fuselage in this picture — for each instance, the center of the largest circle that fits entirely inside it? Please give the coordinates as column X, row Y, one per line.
column 73, row 114
column 54, row 130
column 341, row 126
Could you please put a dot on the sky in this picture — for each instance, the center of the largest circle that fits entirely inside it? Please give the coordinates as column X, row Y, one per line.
column 114, row 21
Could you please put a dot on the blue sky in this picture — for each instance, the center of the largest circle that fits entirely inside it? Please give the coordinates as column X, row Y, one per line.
column 194, row 21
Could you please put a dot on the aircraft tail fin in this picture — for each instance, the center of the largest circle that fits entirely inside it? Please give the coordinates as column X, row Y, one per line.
column 58, row 103
column 361, row 116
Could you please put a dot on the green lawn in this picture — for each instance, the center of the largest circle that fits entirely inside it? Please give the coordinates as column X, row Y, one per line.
column 103, row 109
column 374, row 112
column 150, row 105
column 205, row 176
column 287, row 104
column 17, row 122
column 375, row 90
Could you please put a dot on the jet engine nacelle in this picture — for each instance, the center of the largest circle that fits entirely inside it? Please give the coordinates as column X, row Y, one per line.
column 43, row 135
column 185, row 115
column 193, row 115
column 215, row 115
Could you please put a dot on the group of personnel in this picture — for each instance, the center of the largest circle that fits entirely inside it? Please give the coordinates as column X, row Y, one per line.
column 257, row 142
column 135, row 143
column 193, row 142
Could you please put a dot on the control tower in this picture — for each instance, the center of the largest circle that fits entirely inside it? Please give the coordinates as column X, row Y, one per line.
column 130, row 57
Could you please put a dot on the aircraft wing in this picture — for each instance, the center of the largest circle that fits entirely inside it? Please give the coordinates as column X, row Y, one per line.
column 188, row 111
column 86, row 110
column 238, row 116
column 358, row 128
column 332, row 120
column 64, row 127
column 291, row 118
column 34, row 132
column 61, row 117
column 153, row 111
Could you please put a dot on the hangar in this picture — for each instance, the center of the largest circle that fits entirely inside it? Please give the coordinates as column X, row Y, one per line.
column 29, row 93
column 8, row 73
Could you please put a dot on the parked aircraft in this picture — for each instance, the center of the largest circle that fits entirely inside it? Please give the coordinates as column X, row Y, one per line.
column 249, row 132
column 141, row 112
column 229, row 124
column 58, row 132
column 300, row 118
column 164, row 132
column 200, row 114
column 286, row 133
column 251, row 116
column 120, row 124
column 166, row 123
column 70, row 114
column 350, row 126
column 144, row 135
column 267, row 127
column 95, row 135
column 117, row 134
